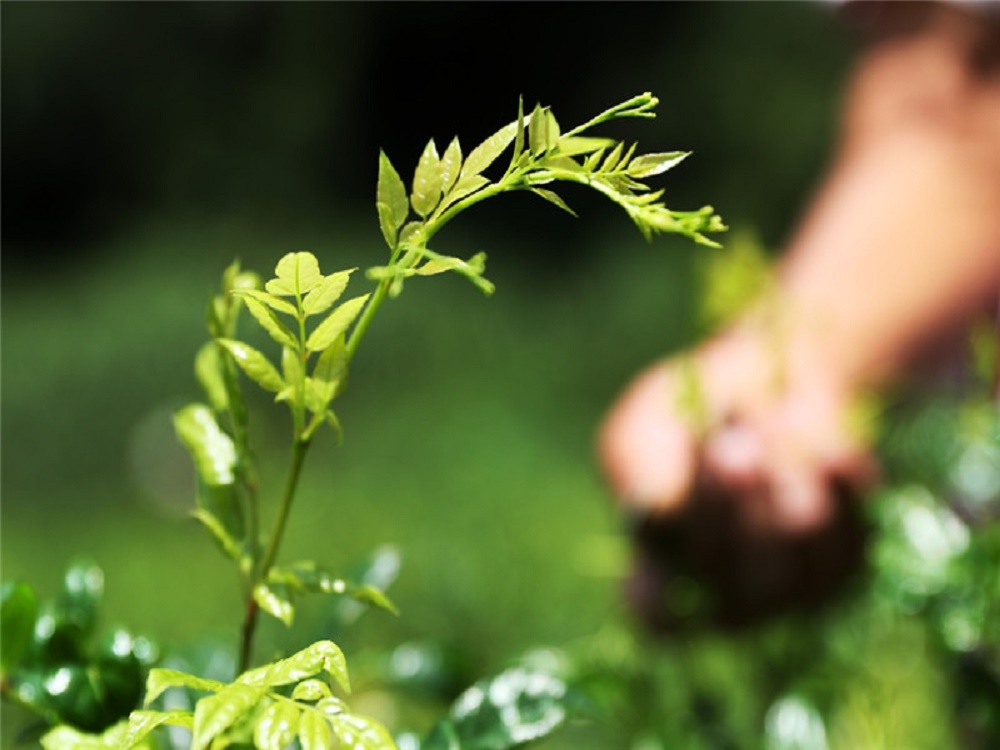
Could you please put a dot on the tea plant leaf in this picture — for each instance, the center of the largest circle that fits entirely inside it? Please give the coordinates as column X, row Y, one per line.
column 427, row 181
column 391, row 193
column 486, row 153
column 218, row 530
column 295, row 274
column 360, row 733
column 208, row 372
column 451, row 165
column 160, row 680
column 649, row 165
column 387, row 224
column 311, row 690
column 212, row 450
column 315, row 732
column 142, row 723
column 254, row 364
column 274, row 599
column 274, row 302
column 329, row 290
column 18, row 611
column 322, row 656
column 270, row 322
column 464, row 187
column 277, row 727
column 216, row 713
column 335, row 324
column 538, row 138
column 553, row 198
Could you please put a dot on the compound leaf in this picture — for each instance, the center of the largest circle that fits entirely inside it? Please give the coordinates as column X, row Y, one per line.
column 335, row 324
column 322, row 656
column 322, row 297
column 216, row 713
column 256, row 366
column 295, row 274
column 273, row 301
column 270, row 322
column 311, row 690
column 391, row 193
column 428, row 180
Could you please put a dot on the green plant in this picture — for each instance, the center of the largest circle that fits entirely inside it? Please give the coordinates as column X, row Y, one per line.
column 301, row 310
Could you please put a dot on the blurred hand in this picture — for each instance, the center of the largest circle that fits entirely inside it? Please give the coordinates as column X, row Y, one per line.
column 747, row 498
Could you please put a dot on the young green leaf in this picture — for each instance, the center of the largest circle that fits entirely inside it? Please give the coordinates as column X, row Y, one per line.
column 142, row 723
column 274, row 600
column 387, row 224
column 277, row 726
column 553, row 198
column 216, row 713
column 428, row 180
column 358, row 732
column 160, row 680
column 335, row 324
column 208, row 371
column 291, row 368
column 273, row 301
column 322, row 656
column 650, row 165
column 391, row 193
column 254, row 364
column 65, row 737
column 311, row 691
column 538, row 138
column 321, row 298
column 612, row 159
column 487, row 152
column 212, row 449
column 451, row 164
column 295, row 274
column 270, row 322
column 465, row 186
column 576, row 145
column 315, row 732
column 219, row 532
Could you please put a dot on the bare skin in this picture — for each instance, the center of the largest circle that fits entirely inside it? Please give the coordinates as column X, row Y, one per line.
column 900, row 244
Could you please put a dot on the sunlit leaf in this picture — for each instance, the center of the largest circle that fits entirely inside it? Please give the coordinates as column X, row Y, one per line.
column 142, row 723
column 295, row 274
column 520, row 135
column 428, row 180
column 649, row 165
column 451, row 165
column 487, row 152
column 335, row 324
column 387, row 224
column 65, row 737
column 291, row 369
column 391, row 193
column 274, row 599
column 254, row 364
column 464, row 187
column 554, row 199
column 270, row 322
column 216, row 713
column 360, row 733
column 277, row 727
column 315, row 732
column 212, row 450
column 161, row 680
column 576, row 145
column 373, row 596
column 273, row 301
column 612, row 159
column 321, row 298
column 472, row 269
column 18, row 610
column 208, row 366
column 311, row 690
column 538, row 139
column 322, row 656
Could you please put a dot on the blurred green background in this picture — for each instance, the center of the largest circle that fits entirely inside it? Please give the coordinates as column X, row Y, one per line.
column 147, row 145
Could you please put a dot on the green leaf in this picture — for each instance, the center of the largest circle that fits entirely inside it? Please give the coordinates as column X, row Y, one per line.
column 576, row 145
column 18, row 611
column 65, row 737
column 270, row 322
column 428, row 180
column 335, row 324
column 142, row 723
column 649, row 165
column 538, row 138
column 216, row 713
column 274, row 302
column 472, row 269
column 487, row 152
column 387, row 224
column 254, row 364
column 443, row 736
column 291, row 369
column 209, row 373
column 274, row 599
column 315, row 732
column 553, row 198
column 612, row 159
column 295, row 274
column 277, row 727
column 451, row 165
column 218, row 530
column 373, row 596
column 391, row 193
column 322, row 656
column 212, row 450
column 359, row 732
column 331, row 367
column 160, row 680
column 329, row 290
column 311, row 691
column 465, row 186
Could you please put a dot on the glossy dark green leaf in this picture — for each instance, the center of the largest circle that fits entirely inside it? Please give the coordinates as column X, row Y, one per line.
column 212, row 449
column 391, row 192
column 488, row 151
column 277, row 726
column 208, row 364
column 322, row 656
column 295, row 274
column 216, row 713
column 275, row 600
column 273, row 301
column 649, row 165
column 553, row 198
column 270, row 322
column 451, row 165
column 74, row 692
column 335, row 324
column 18, row 612
column 428, row 180
column 255, row 365
column 321, row 298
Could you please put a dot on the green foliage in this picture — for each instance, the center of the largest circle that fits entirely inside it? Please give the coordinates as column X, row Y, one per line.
column 53, row 661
